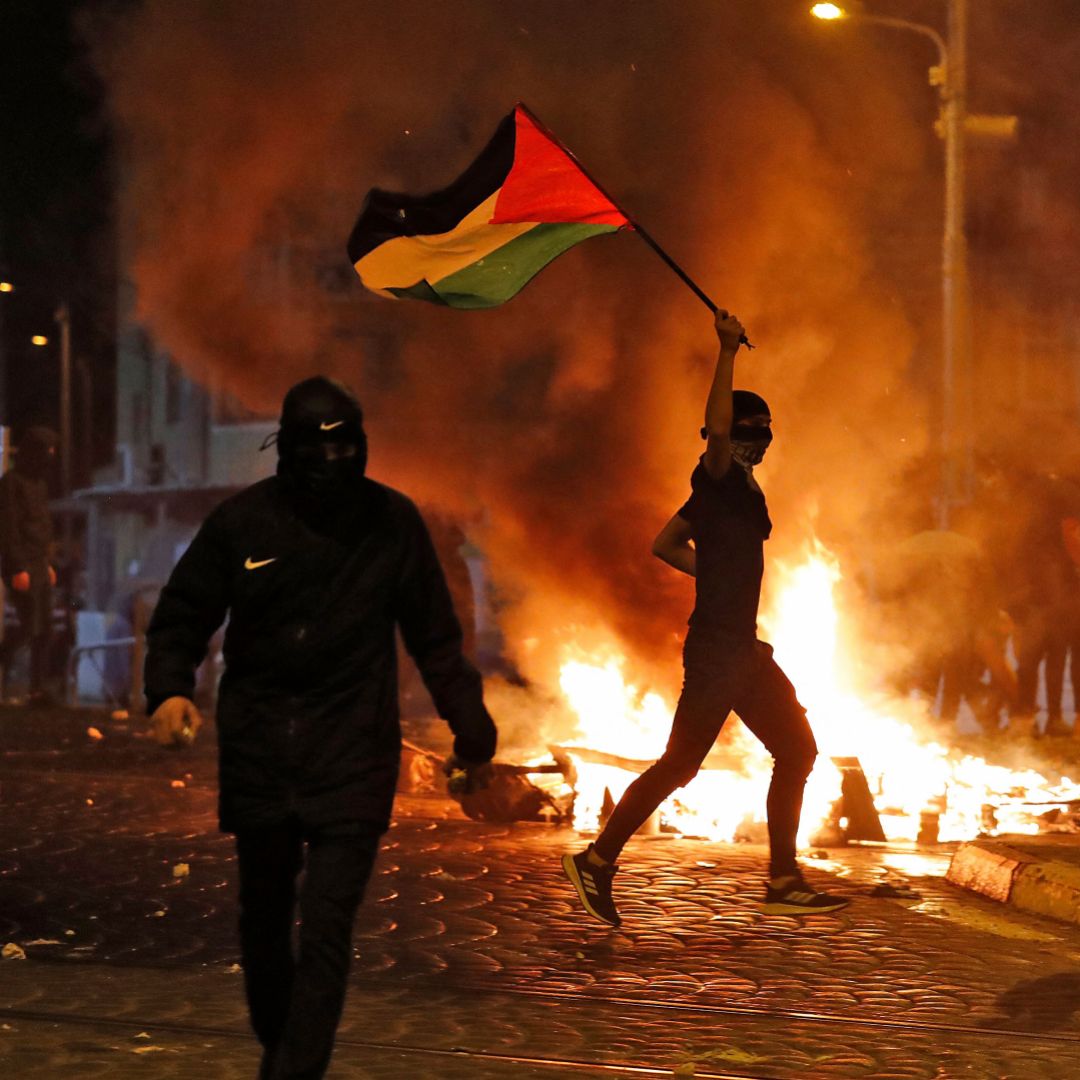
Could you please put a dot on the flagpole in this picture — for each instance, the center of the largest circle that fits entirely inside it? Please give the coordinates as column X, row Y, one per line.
column 637, row 227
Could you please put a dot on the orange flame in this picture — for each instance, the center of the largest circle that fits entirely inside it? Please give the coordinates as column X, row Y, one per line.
column 908, row 771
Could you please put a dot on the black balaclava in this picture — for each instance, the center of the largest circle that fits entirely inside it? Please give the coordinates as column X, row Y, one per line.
column 316, row 411
column 36, row 452
column 748, row 441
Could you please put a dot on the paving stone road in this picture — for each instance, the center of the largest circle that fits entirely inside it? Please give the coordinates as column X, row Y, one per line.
column 472, row 960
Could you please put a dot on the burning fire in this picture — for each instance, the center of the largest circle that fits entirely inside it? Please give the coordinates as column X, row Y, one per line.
column 909, row 773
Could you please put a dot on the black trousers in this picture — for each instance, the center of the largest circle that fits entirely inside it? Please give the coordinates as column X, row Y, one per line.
column 721, row 676
column 34, row 609
column 296, row 992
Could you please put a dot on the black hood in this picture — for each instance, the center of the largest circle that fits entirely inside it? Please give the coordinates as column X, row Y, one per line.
column 316, row 411
column 35, row 451
column 745, row 403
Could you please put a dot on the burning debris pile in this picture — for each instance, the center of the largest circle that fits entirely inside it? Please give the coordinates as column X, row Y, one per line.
column 878, row 776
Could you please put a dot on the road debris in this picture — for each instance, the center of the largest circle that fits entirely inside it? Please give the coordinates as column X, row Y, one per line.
column 890, row 890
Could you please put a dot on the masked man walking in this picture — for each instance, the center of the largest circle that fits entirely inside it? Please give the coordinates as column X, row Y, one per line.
column 717, row 538
column 315, row 567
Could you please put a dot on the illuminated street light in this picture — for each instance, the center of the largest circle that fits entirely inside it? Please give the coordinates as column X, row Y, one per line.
column 950, row 78
column 954, row 123
column 39, row 339
column 6, row 286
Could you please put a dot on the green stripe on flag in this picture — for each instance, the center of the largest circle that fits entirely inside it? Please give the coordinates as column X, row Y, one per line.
column 497, row 277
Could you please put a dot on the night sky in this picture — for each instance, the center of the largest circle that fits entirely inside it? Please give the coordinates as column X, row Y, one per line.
column 55, row 215
column 57, row 134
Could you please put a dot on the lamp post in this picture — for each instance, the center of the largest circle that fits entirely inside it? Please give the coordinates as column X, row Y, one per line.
column 954, row 123
column 956, row 330
column 62, row 318
column 63, row 321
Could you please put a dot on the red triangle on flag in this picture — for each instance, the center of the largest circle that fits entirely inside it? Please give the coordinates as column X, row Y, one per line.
column 546, row 185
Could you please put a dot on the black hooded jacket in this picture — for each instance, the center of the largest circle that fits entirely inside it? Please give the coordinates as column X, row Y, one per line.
column 307, row 716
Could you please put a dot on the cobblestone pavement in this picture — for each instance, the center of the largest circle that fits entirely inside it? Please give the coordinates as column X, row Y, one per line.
column 472, row 960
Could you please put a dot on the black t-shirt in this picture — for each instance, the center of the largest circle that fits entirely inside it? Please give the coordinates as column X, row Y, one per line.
column 730, row 525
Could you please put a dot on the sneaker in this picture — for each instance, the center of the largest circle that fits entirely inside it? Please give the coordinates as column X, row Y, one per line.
column 593, row 884
column 797, row 897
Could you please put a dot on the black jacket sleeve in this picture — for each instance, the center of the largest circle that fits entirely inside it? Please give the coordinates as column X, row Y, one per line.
column 191, row 607
column 432, row 634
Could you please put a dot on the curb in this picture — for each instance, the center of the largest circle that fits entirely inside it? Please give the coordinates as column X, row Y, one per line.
column 1035, row 883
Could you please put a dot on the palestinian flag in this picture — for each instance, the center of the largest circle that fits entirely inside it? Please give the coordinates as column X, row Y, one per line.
column 478, row 242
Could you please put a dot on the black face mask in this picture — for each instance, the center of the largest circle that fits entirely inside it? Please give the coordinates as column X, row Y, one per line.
column 749, row 443
column 328, row 484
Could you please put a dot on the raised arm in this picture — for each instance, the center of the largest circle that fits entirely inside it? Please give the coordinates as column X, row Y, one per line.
column 672, row 545
column 718, row 406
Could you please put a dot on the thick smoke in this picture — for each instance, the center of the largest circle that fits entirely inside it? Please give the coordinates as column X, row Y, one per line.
column 563, row 426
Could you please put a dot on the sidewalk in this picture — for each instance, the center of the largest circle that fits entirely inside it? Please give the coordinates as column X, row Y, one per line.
column 1037, row 874
column 473, row 961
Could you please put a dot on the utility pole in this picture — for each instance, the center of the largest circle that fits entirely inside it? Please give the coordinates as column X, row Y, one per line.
column 63, row 320
column 953, row 125
column 6, row 288
column 956, row 336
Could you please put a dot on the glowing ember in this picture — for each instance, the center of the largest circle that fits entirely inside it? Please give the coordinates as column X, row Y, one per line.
column 909, row 773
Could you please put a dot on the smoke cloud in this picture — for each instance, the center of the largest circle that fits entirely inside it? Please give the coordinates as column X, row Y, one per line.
column 765, row 153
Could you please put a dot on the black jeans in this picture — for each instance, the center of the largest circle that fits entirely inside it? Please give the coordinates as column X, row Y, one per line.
column 295, row 996
column 720, row 676
column 34, row 609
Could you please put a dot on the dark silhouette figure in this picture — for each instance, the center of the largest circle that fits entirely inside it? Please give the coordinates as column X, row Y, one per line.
column 316, row 568
column 26, row 537
column 718, row 538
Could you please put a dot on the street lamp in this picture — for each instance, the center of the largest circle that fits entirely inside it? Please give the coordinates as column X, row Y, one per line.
column 62, row 318
column 953, row 125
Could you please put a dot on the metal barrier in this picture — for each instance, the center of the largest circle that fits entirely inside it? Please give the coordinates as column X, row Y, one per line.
column 71, row 689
